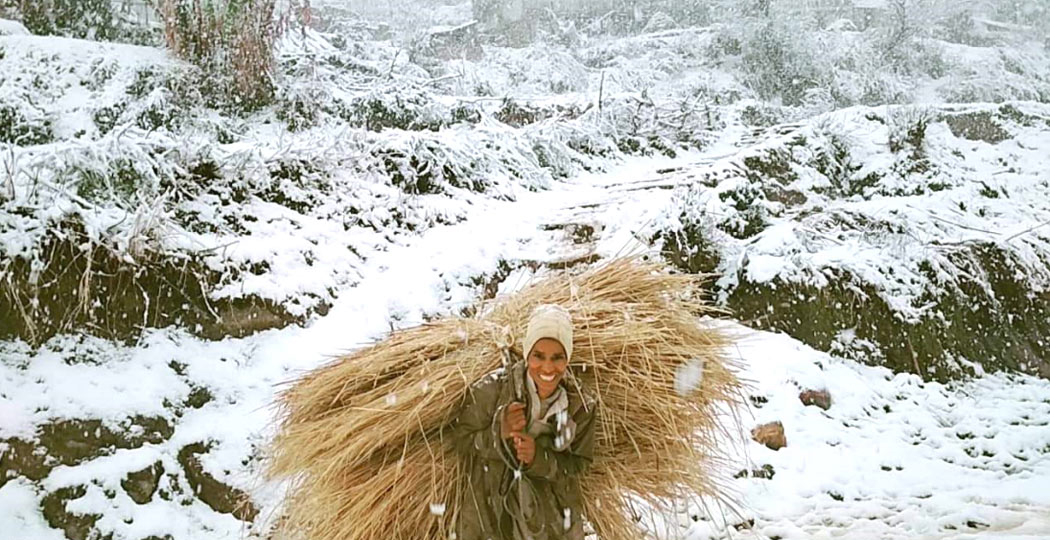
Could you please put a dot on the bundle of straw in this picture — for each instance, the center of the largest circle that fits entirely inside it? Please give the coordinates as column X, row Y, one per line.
column 363, row 440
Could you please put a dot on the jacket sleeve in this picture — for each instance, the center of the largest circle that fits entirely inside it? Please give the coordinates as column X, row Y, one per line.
column 550, row 464
column 476, row 431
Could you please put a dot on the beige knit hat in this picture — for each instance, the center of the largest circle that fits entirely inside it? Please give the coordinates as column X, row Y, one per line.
column 549, row 321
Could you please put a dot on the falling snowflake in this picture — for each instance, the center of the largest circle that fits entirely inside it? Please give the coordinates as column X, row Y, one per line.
column 688, row 376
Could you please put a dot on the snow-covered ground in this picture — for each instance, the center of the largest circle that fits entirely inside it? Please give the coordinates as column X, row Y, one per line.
column 559, row 177
column 885, row 230
column 892, row 458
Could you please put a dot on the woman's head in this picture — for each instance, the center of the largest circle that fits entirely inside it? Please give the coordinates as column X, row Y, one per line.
column 548, row 347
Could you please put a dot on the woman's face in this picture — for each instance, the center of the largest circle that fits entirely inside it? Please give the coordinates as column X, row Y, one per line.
column 547, row 363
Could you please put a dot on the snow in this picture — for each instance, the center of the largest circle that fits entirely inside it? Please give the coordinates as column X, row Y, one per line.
column 20, row 513
column 688, row 377
column 894, row 457
column 878, row 421
column 12, row 28
column 906, row 228
column 897, row 451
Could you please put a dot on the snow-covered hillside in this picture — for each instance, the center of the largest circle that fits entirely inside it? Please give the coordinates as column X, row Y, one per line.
column 913, row 237
column 893, row 457
column 877, row 218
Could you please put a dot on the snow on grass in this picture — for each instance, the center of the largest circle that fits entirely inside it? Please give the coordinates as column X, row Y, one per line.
column 88, row 378
column 909, row 206
column 112, row 134
column 893, row 458
column 874, row 424
column 69, row 79
column 123, row 142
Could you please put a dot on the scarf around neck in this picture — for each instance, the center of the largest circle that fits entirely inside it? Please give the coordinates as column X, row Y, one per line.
column 541, row 411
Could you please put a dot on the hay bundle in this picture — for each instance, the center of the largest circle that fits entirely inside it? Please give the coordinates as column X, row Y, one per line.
column 362, row 438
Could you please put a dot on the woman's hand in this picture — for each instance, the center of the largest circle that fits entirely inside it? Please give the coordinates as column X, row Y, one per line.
column 513, row 419
column 525, row 447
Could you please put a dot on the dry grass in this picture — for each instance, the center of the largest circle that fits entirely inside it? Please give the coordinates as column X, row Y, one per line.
column 227, row 37
column 361, row 439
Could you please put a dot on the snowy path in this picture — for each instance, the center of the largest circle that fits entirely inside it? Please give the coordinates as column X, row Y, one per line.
column 892, row 458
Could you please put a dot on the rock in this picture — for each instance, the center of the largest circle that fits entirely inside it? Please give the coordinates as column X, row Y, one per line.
column 758, row 401
column 20, row 458
column 765, row 472
column 820, row 398
column 198, row 397
column 74, row 526
column 72, row 442
column 771, row 435
column 141, row 485
column 217, row 495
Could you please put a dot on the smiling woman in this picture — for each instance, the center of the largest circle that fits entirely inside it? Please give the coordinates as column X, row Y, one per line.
column 525, row 434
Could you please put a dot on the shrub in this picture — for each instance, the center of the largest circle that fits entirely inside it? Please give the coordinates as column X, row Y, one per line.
column 18, row 129
column 907, row 139
column 778, row 64
column 405, row 108
column 300, row 107
column 82, row 19
column 960, row 27
column 908, row 129
column 85, row 19
column 120, row 180
column 832, row 159
column 228, row 38
column 107, row 118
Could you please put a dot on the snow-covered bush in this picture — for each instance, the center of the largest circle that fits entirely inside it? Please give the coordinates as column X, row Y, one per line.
column 86, row 19
column 960, row 26
column 777, row 59
column 996, row 74
column 300, row 107
column 779, row 63
column 232, row 40
column 23, row 126
column 402, row 107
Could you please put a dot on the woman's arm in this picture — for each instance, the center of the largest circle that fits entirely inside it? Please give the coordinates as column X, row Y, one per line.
column 549, row 464
column 476, row 431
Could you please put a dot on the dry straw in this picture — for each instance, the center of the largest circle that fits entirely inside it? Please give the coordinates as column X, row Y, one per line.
column 362, row 445
column 225, row 36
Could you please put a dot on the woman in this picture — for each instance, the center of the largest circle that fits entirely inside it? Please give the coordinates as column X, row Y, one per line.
column 526, row 432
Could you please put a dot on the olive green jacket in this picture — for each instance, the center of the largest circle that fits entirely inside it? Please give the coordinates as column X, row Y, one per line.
column 542, row 501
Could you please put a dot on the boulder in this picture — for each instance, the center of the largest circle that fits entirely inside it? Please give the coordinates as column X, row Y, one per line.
column 770, row 435
column 820, row 398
